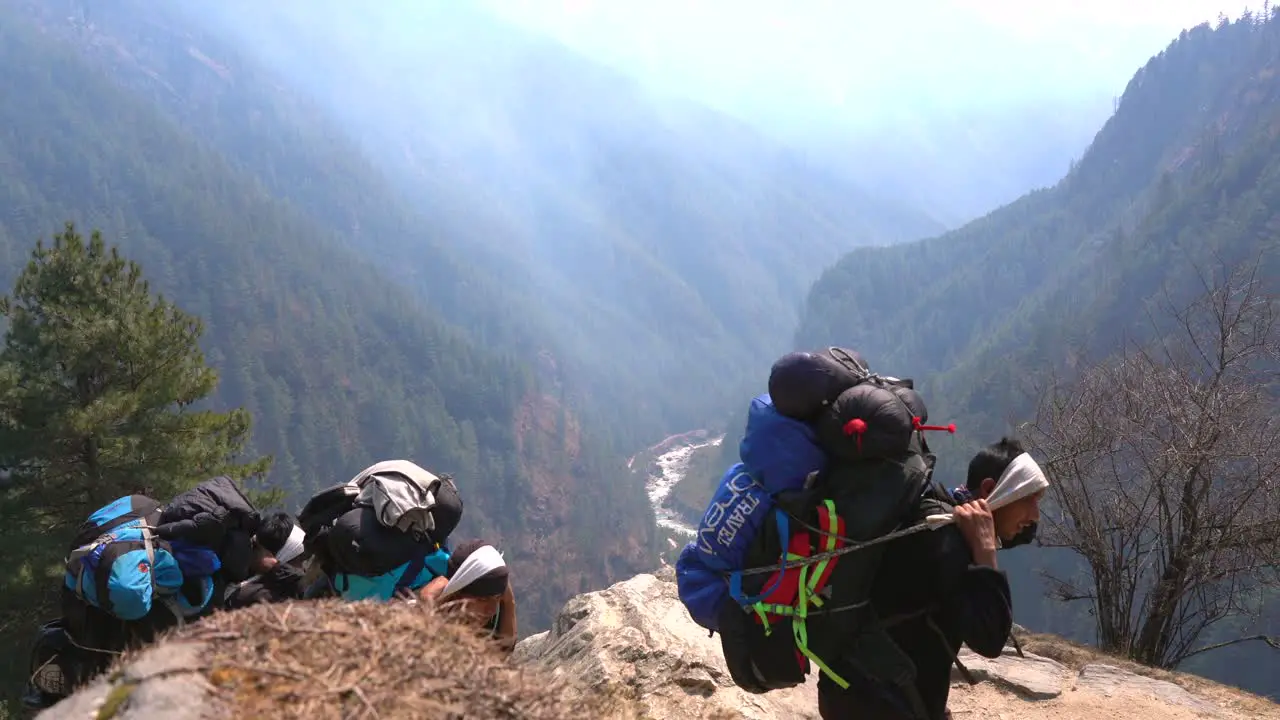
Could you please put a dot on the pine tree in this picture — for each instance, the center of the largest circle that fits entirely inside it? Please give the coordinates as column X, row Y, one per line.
column 99, row 386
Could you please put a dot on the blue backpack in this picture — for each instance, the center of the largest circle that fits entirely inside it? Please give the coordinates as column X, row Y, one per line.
column 411, row 575
column 118, row 565
column 777, row 455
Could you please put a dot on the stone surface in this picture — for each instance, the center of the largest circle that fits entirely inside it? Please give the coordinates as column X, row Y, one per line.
column 1031, row 677
column 1113, row 681
column 636, row 637
column 164, row 681
column 635, row 642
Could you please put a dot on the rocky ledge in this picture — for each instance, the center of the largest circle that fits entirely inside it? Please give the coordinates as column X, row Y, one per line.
column 635, row 640
column 629, row 651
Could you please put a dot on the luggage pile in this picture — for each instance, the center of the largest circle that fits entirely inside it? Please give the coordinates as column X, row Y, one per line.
column 136, row 568
column 384, row 532
column 133, row 557
column 833, row 463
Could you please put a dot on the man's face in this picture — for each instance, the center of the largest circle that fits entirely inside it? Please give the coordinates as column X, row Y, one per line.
column 477, row 610
column 1016, row 517
column 262, row 561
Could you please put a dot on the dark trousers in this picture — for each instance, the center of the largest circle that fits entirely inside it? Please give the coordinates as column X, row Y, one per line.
column 836, row 703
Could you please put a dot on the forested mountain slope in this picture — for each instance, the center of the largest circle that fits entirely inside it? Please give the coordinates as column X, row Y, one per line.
column 1181, row 172
column 1185, row 175
column 283, row 143
column 338, row 365
column 659, row 250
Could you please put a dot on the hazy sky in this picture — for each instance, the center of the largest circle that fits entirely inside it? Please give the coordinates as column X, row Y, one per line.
column 800, row 59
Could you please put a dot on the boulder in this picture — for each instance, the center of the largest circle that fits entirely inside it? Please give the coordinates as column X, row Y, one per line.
column 637, row 639
column 1030, row 676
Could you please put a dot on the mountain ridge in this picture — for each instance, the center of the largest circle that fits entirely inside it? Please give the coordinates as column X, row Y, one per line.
column 648, row 213
column 1182, row 178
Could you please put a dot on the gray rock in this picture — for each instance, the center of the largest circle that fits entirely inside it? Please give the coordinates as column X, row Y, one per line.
column 637, row 637
column 1113, row 681
column 163, row 681
column 1032, row 677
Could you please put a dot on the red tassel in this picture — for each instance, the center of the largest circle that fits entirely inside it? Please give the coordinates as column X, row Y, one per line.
column 919, row 425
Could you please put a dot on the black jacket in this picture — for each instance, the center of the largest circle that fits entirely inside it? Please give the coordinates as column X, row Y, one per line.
column 280, row 583
column 217, row 515
column 929, row 578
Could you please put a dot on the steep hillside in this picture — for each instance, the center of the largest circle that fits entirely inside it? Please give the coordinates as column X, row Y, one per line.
column 1186, row 173
column 285, row 145
column 338, row 366
column 1188, row 150
column 663, row 249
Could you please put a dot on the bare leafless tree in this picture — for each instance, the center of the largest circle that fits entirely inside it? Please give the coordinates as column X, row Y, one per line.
column 1165, row 471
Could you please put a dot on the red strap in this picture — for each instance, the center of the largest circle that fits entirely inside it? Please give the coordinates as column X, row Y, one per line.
column 802, row 543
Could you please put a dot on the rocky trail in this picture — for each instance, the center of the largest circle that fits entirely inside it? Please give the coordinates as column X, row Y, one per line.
column 627, row 652
column 635, row 639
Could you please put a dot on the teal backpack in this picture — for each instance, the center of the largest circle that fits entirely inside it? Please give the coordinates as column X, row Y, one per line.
column 409, row 576
column 118, row 565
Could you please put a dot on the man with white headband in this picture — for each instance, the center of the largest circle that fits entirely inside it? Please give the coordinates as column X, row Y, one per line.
column 943, row 588
column 478, row 585
column 277, row 564
column 1015, row 516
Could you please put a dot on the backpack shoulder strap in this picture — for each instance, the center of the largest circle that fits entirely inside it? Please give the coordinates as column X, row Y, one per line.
column 411, row 572
column 934, row 499
column 171, row 604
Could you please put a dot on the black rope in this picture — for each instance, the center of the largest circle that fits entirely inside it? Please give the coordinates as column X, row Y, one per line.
column 819, row 557
column 852, row 546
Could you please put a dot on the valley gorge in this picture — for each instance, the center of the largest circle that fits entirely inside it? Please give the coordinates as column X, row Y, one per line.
column 439, row 235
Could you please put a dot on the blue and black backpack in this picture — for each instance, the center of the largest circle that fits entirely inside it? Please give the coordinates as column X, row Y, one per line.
column 366, row 555
column 778, row 454
column 117, row 563
column 408, row 576
column 780, row 451
column 833, row 460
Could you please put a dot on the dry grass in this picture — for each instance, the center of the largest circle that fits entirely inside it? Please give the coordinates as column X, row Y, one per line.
column 1076, row 656
column 331, row 659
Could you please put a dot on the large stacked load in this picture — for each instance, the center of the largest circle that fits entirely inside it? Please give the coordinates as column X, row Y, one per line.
column 133, row 557
column 833, row 456
column 136, row 568
column 384, row 531
column 118, row 565
column 217, row 516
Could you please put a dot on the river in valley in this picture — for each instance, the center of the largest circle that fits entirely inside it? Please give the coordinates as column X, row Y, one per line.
column 670, row 468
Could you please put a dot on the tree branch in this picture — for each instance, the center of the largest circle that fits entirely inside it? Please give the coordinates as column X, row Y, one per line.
column 1273, row 642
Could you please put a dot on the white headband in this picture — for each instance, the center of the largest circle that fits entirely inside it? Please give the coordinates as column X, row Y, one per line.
column 479, row 563
column 1022, row 479
column 292, row 545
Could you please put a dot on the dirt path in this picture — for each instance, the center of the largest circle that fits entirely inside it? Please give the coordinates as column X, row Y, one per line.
column 986, row 702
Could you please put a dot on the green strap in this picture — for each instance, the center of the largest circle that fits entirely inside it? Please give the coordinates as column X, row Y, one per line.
column 807, row 596
column 808, row 586
column 762, row 609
